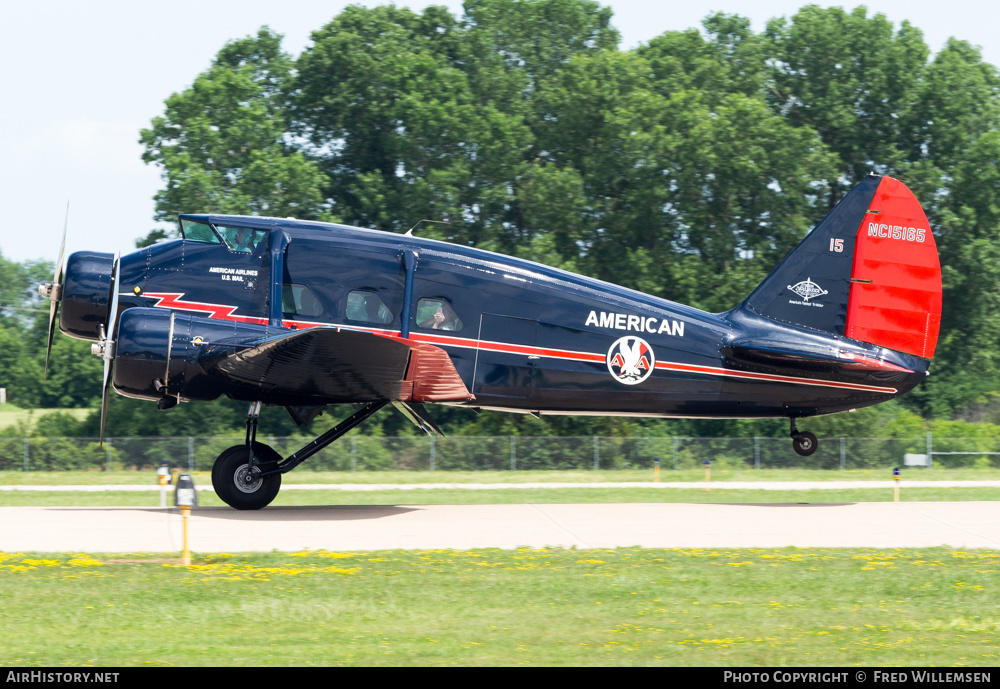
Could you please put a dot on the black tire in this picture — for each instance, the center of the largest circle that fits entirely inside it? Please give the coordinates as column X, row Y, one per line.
column 804, row 443
column 231, row 467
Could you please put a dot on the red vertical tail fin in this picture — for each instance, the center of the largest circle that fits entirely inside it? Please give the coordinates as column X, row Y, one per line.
column 895, row 298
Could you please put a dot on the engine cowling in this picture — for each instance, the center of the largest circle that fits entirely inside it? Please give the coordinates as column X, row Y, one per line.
column 162, row 354
column 86, row 295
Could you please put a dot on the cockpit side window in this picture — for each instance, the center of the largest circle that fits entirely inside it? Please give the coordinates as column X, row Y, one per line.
column 437, row 314
column 242, row 239
column 367, row 307
column 198, row 232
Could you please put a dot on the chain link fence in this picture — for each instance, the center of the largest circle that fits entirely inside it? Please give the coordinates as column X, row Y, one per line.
column 506, row 453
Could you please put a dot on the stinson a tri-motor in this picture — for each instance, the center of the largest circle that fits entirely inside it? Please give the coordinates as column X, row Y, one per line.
column 300, row 315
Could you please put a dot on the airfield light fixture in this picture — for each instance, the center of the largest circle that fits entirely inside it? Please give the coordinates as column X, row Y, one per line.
column 185, row 494
column 185, row 497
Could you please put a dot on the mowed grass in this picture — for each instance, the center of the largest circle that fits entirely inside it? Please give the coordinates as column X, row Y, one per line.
column 304, row 476
column 629, row 606
column 27, row 418
column 414, row 494
column 448, row 496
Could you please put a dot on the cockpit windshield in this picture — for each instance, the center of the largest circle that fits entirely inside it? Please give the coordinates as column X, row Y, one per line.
column 198, row 232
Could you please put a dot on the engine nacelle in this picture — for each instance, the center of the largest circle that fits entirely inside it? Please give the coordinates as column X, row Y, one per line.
column 163, row 354
column 86, row 294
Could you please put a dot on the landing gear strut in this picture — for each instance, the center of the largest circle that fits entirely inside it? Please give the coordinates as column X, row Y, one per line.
column 803, row 442
column 248, row 476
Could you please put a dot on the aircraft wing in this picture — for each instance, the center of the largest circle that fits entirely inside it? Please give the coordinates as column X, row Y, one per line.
column 331, row 365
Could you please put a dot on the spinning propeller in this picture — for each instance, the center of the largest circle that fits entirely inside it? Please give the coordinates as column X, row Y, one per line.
column 105, row 347
column 53, row 292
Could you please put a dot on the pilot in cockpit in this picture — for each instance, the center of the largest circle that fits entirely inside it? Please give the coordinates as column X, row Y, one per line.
column 244, row 240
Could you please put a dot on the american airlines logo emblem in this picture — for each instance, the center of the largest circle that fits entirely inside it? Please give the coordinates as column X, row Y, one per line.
column 807, row 289
column 630, row 360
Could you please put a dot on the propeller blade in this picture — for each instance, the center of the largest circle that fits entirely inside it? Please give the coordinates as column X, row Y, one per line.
column 56, row 294
column 53, row 307
column 104, row 403
column 113, row 313
column 109, row 345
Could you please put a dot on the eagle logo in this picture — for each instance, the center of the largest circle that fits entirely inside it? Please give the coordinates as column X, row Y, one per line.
column 630, row 360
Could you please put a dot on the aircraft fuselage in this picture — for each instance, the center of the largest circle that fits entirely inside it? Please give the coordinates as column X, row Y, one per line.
column 522, row 336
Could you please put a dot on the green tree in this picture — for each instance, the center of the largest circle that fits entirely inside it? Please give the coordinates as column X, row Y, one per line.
column 689, row 195
column 402, row 137
column 686, row 168
column 850, row 77
column 224, row 145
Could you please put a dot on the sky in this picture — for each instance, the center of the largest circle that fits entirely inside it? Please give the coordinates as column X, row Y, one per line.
column 83, row 78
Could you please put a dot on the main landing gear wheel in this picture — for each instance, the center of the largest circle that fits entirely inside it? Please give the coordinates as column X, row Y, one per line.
column 804, row 443
column 237, row 486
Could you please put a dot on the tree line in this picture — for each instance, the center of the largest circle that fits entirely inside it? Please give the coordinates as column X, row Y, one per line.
column 685, row 168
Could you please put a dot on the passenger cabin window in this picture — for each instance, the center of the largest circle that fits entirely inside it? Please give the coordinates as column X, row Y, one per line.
column 367, row 307
column 299, row 300
column 437, row 314
column 198, row 232
column 242, row 239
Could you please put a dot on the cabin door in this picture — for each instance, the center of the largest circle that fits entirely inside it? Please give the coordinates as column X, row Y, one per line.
column 505, row 363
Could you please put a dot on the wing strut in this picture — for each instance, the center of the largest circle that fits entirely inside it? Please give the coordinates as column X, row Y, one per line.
column 418, row 416
column 331, row 435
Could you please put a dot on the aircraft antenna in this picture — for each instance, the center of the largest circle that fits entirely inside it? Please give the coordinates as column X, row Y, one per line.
column 409, row 232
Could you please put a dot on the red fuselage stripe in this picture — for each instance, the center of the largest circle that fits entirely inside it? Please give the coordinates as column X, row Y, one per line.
column 173, row 301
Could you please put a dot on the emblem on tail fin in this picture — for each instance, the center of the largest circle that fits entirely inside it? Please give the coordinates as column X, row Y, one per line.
column 807, row 289
column 630, row 360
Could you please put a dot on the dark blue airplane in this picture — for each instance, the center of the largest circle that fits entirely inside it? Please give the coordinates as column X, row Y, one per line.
column 296, row 314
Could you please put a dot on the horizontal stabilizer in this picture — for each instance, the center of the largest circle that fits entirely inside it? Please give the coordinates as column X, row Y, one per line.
column 805, row 356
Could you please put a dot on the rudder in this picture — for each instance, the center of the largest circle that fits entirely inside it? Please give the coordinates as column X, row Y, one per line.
column 868, row 271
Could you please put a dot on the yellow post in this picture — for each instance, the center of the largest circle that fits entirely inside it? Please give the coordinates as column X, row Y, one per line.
column 656, row 469
column 708, row 476
column 186, row 554
column 895, row 491
column 163, row 488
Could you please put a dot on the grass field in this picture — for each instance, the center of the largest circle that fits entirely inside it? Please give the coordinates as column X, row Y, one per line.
column 43, row 478
column 446, row 496
column 629, row 606
column 415, row 495
column 490, row 607
column 27, row 418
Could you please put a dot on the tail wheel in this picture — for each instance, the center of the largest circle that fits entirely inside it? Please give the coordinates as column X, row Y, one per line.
column 238, row 486
column 804, row 443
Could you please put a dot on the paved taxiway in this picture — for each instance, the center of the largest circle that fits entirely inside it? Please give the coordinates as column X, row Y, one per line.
column 340, row 528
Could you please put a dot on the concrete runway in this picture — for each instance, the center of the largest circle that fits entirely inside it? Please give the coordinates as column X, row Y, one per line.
column 343, row 528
